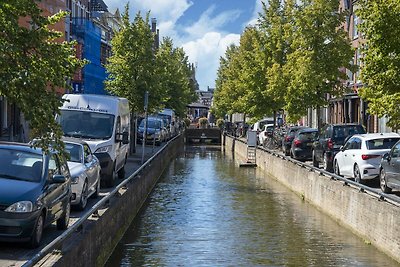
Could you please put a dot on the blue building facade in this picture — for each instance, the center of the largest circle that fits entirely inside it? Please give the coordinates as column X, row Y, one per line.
column 91, row 78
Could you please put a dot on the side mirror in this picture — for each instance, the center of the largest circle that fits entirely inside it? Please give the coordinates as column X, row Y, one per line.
column 386, row 157
column 125, row 138
column 89, row 158
column 58, row 179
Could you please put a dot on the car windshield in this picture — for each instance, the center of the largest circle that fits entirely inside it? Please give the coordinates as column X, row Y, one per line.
column 382, row 143
column 20, row 165
column 75, row 152
column 307, row 136
column 83, row 124
column 154, row 124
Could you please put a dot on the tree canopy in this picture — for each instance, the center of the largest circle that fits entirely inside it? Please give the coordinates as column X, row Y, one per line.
column 290, row 60
column 380, row 71
column 137, row 66
column 33, row 65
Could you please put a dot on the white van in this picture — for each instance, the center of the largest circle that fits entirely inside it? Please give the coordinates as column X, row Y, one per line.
column 103, row 122
column 169, row 115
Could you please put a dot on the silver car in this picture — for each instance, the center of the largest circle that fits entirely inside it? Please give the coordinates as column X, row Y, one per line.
column 85, row 172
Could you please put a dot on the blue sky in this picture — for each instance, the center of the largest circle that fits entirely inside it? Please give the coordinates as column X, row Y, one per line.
column 204, row 28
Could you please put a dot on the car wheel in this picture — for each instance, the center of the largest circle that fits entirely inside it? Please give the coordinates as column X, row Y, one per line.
column 383, row 182
column 62, row 223
column 37, row 233
column 287, row 153
column 84, row 196
column 357, row 174
column 337, row 170
column 112, row 178
column 97, row 192
column 315, row 163
column 121, row 173
column 327, row 164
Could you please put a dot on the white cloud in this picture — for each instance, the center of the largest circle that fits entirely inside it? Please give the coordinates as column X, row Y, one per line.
column 208, row 23
column 204, row 41
column 256, row 11
column 205, row 52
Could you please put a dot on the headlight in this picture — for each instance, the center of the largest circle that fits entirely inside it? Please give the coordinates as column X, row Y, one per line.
column 103, row 149
column 75, row 179
column 22, row 206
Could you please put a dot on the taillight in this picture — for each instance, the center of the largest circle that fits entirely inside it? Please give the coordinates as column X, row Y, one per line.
column 365, row 157
column 297, row 142
column 330, row 143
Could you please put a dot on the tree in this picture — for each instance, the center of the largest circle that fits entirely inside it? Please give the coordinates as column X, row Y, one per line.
column 320, row 48
column 174, row 74
column 131, row 67
column 225, row 91
column 33, row 65
column 380, row 71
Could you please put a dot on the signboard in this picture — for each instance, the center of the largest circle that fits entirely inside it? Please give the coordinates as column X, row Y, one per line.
column 252, row 138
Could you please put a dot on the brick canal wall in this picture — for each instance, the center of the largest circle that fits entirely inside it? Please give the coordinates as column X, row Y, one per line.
column 377, row 222
column 96, row 241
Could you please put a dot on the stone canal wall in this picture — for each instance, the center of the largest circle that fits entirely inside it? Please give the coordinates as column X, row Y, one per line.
column 96, row 241
column 376, row 221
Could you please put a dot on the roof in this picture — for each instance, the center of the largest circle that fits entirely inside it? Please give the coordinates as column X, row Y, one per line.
column 197, row 105
column 371, row 136
column 74, row 140
column 307, row 130
column 21, row 147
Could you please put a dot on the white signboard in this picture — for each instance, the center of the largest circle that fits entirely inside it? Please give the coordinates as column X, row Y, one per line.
column 252, row 138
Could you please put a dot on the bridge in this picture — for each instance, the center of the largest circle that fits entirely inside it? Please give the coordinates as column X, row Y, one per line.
column 210, row 136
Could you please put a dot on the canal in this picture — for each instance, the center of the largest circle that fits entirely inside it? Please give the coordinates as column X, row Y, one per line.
column 206, row 211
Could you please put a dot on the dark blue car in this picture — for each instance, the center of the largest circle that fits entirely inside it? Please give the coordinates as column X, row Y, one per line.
column 35, row 190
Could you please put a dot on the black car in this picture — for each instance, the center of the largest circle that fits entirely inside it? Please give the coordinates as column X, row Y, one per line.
column 389, row 174
column 288, row 138
column 303, row 140
column 331, row 138
column 35, row 190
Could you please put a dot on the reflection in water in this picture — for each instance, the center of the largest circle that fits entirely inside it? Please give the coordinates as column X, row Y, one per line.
column 205, row 211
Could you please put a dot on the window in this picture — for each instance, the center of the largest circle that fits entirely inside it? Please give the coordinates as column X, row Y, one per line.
column 355, row 26
column 396, row 151
column 54, row 166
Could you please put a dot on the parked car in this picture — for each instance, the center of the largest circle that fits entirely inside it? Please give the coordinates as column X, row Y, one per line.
column 288, row 138
column 35, row 191
column 85, row 172
column 266, row 132
column 361, row 155
column 330, row 139
column 156, row 131
column 259, row 125
column 389, row 169
column 303, row 140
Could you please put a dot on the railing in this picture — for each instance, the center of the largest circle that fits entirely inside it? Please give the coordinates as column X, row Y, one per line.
column 362, row 188
column 78, row 224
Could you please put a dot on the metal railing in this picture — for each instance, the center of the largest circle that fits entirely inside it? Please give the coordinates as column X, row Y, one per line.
column 93, row 210
column 395, row 200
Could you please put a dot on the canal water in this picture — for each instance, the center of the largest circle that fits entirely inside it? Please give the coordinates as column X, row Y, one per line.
column 206, row 211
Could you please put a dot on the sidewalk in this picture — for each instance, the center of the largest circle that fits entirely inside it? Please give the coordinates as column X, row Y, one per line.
column 135, row 161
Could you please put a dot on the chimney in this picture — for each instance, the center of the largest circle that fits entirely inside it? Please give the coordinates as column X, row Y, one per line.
column 153, row 24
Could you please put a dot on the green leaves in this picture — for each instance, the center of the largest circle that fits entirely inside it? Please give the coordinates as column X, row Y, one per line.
column 33, row 67
column 380, row 70
column 136, row 66
column 291, row 60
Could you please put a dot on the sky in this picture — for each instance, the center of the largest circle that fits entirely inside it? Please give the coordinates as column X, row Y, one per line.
column 204, row 28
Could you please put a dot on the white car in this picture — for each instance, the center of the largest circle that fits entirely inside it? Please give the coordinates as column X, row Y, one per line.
column 85, row 172
column 360, row 156
column 265, row 133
